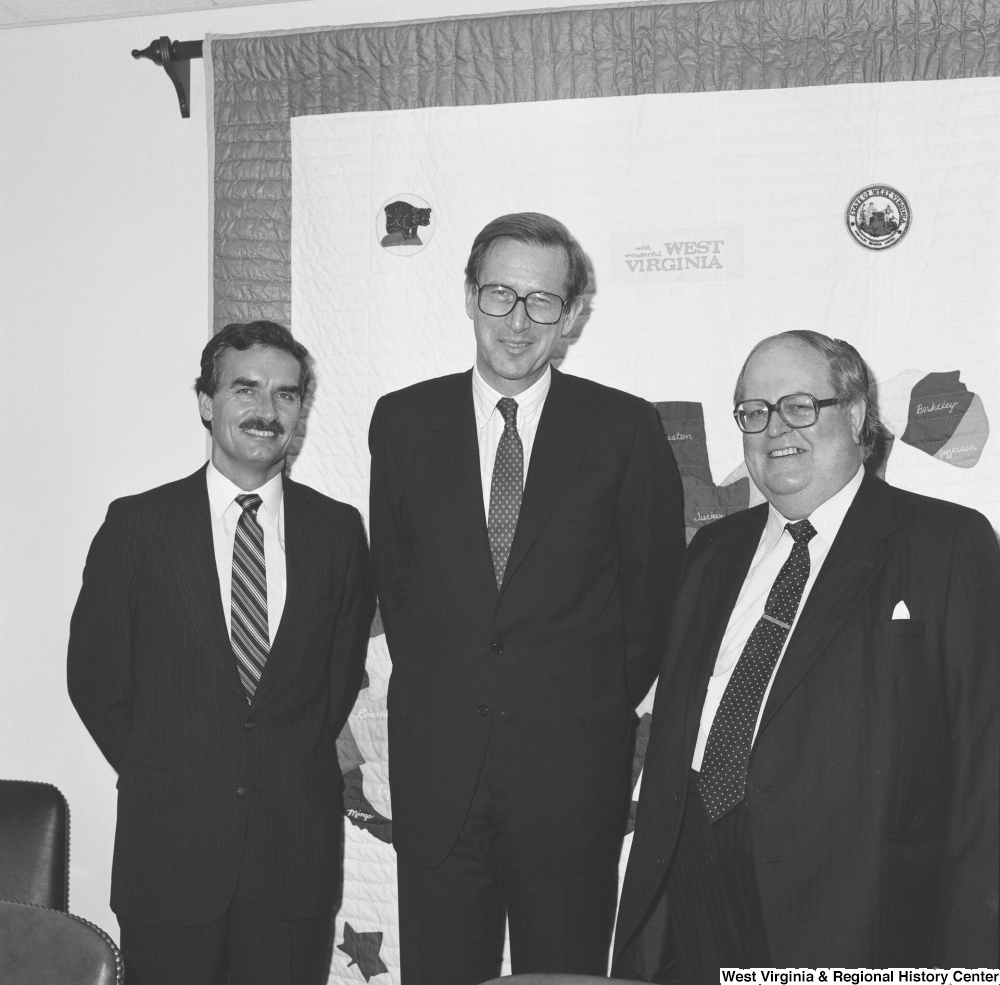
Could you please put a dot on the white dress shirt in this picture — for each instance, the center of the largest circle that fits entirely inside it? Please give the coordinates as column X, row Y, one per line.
column 772, row 552
column 490, row 423
column 226, row 513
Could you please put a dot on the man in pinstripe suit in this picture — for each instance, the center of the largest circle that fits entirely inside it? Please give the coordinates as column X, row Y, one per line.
column 215, row 651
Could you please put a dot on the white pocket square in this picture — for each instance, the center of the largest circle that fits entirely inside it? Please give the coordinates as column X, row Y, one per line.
column 900, row 612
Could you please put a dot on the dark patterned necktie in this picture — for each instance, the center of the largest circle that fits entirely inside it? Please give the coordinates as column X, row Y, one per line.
column 250, row 638
column 723, row 776
column 506, row 487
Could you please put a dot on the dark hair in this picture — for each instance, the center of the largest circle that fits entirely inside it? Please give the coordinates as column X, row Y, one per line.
column 239, row 336
column 849, row 377
column 535, row 228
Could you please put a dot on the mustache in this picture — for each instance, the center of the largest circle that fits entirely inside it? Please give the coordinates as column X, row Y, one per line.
column 259, row 424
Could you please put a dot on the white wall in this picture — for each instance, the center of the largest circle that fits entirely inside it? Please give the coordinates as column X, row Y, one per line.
column 104, row 199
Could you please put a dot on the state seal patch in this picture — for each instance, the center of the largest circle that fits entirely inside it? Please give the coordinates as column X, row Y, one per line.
column 878, row 217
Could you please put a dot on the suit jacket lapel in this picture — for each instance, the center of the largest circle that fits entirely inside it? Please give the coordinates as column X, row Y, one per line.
column 723, row 578
column 555, row 456
column 455, row 464
column 303, row 556
column 191, row 551
column 856, row 556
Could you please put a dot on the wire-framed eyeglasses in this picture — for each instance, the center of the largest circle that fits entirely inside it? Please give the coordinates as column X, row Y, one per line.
column 797, row 410
column 541, row 306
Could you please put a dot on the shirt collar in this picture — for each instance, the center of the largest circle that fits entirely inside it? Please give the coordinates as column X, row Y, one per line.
column 826, row 518
column 529, row 402
column 222, row 492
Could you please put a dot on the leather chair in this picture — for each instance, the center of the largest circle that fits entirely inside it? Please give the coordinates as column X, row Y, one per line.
column 40, row 943
column 48, row 947
column 34, row 844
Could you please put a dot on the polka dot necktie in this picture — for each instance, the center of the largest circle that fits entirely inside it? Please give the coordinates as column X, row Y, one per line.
column 250, row 638
column 506, row 487
column 723, row 778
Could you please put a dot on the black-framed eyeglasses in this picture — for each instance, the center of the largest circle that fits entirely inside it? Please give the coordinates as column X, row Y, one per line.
column 499, row 300
column 797, row 410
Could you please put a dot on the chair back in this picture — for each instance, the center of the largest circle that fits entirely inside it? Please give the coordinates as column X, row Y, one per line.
column 49, row 947
column 34, row 844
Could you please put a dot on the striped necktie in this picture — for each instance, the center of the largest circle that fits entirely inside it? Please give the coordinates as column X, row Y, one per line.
column 723, row 778
column 250, row 637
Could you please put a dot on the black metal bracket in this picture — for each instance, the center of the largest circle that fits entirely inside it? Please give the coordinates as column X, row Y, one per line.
column 175, row 57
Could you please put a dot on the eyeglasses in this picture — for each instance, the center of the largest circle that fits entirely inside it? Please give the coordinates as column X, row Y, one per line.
column 541, row 307
column 797, row 410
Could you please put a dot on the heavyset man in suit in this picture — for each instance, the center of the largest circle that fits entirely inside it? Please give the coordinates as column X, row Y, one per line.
column 527, row 534
column 821, row 783
column 215, row 652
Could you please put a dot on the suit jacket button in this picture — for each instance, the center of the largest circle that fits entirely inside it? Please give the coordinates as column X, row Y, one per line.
column 484, row 710
column 248, row 725
column 498, row 647
column 661, row 860
column 677, row 799
column 240, row 791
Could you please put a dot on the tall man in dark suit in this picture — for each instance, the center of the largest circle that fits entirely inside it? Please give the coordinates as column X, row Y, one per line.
column 821, row 782
column 215, row 651
column 527, row 534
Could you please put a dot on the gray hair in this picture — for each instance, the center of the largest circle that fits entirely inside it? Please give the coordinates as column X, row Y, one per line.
column 848, row 374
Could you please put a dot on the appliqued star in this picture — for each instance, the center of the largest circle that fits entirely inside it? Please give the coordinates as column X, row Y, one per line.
column 363, row 948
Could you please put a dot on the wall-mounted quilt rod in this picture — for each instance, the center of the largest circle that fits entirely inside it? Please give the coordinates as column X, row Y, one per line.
column 175, row 57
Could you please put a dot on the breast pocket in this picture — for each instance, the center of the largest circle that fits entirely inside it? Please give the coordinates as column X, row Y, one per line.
column 897, row 629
